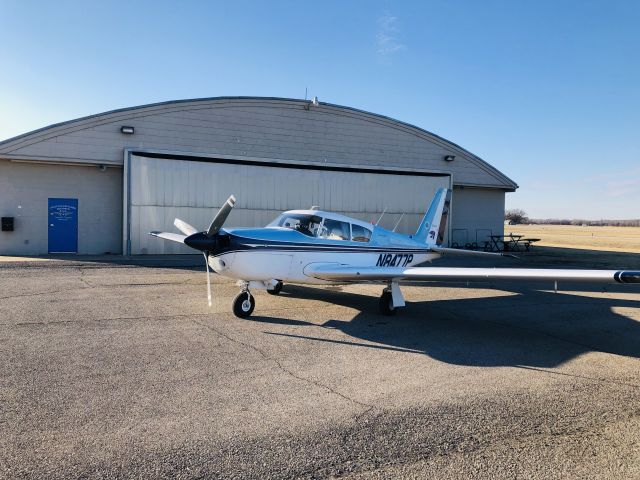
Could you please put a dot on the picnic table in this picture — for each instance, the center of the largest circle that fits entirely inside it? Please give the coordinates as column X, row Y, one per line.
column 500, row 243
column 527, row 242
column 510, row 243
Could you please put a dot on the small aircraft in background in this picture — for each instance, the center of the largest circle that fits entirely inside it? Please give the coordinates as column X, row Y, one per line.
column 318, row 247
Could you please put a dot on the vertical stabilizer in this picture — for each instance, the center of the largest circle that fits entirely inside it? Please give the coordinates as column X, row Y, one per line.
column 433, row 226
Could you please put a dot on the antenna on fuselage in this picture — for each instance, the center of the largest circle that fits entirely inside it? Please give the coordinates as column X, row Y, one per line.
column 397, row 223
column 382, row 215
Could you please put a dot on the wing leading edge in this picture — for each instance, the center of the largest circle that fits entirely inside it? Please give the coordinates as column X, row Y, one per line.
column 337, row 272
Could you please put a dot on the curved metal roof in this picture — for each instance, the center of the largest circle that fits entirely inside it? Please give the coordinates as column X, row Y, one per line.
column 58, row 128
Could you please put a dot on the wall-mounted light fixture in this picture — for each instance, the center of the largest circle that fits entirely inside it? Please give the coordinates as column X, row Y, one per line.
column 103, row 168
column 449, row 158
column 127, row 130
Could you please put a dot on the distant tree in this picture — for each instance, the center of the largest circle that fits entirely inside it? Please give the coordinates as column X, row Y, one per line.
column 516, row 215
column 585, row 223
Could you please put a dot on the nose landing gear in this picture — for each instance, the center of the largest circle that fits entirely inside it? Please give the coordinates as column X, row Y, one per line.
column 244, row 303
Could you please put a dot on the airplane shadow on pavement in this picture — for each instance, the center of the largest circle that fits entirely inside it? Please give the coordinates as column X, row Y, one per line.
column 533, row 328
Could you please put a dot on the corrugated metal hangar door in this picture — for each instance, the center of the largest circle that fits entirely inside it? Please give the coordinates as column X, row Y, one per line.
column 157, row 190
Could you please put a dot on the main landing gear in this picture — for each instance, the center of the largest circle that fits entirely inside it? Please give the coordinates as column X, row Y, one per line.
column 391, row 299
column 386, row 304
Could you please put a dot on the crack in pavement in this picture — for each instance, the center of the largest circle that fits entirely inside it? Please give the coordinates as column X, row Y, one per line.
column 155, row 317
column 84, row 280
column 600, row 380
column 289, row 372
column 89, row 285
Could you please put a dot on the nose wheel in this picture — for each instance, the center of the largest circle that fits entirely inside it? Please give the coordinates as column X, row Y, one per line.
column 244, row 304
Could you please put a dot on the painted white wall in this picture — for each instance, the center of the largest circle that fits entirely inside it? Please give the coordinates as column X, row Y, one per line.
column 477, row 213
column 24, row 192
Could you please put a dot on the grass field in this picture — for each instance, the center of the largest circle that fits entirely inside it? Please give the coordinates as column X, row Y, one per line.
column 619, row 239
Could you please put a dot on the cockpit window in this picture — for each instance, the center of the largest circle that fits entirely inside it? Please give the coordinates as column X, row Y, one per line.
column 360, row 234
column 306, row 224
column 335, row 230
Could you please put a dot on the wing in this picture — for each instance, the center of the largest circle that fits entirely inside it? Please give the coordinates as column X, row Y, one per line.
column 471, row 253
column 174, row 237
column 337, row 272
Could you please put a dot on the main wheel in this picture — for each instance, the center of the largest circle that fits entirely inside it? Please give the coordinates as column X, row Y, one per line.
column 386, row 304
column 243, row 305
column 276, row 290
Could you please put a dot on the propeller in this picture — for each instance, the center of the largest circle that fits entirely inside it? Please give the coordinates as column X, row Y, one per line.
column 207, row 241
column 222, row 215
column 184, row 227
column 206, row 266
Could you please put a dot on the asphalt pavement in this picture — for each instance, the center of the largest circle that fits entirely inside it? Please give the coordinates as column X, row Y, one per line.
column 117, row 368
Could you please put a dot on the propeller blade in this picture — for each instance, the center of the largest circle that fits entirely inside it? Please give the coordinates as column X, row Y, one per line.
column 222, row 215
column 206, row 265
column 174, row 237
column 184, row 227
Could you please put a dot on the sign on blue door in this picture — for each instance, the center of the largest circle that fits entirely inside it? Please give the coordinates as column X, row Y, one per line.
column 63, row 225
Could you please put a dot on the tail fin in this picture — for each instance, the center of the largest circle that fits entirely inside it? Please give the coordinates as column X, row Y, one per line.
column 433, row 225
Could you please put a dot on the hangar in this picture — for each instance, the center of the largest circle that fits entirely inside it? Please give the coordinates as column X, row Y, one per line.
column 98, row 184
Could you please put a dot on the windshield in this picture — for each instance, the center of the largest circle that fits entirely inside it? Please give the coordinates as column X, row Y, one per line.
column 306, row 224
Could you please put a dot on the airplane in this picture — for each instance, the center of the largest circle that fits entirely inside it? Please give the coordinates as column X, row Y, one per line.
column 318, row 247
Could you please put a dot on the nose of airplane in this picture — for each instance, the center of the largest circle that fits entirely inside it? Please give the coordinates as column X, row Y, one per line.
column 200, row 241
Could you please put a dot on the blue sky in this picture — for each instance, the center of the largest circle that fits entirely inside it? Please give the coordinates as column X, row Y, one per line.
column 547, row 91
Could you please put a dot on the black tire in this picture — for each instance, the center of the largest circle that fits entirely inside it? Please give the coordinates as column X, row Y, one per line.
column 276, row 290
column 385, row 304
column 243, row 305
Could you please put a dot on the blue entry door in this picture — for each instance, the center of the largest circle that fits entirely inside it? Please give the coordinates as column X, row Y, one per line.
column 63, row 225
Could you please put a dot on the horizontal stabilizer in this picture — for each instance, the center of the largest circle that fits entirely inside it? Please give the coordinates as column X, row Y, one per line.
column 174, row 237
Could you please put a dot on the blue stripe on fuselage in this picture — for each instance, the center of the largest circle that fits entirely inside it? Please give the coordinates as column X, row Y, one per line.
column 299, row 243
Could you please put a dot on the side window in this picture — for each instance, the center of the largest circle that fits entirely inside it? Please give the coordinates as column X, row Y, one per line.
column 360, row 234
column 336, row 230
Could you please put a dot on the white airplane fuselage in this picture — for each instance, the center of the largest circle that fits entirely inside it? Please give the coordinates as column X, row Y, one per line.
column 277, row 253
column 290, row 267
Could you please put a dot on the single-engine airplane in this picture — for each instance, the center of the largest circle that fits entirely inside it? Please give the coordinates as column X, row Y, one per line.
column 318, row 247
